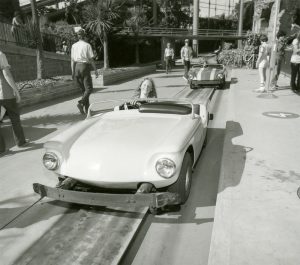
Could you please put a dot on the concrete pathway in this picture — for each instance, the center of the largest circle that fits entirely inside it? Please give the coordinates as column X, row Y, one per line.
column 257, row 218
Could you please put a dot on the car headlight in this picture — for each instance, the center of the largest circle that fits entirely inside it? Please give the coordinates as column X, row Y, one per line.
column 165, row 167
column 50, row 161
column 220, row 76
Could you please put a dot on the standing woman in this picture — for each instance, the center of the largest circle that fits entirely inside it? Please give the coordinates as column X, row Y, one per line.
column 169, row 56
column 295, row 64
column 262, row 63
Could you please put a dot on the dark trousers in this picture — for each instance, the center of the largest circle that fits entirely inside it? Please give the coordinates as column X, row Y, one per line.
column 168, row 63
column 295, row 74
column 187, row 66
column 83, row 80
column 13, row 113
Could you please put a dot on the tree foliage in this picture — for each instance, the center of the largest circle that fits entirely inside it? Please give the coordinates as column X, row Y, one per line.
column 99, row 18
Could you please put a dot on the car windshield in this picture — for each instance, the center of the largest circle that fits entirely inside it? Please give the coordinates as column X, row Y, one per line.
column 213, row 66
column 164, row 106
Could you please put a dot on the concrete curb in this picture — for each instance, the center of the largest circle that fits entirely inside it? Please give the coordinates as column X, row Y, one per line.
column 123, row 75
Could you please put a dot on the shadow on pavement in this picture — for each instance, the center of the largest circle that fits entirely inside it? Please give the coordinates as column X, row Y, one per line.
column 234, row 157
column 52, row 119
column 31, row 215
column 174, row 86
column 32, row 133
column 168, row 76
column 115, row 91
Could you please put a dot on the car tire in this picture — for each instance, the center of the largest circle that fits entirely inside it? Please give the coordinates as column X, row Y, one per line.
column 222, row 86
column 205, row 141
column 183, row 184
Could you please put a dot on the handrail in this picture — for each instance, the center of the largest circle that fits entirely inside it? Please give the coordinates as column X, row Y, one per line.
column 176, row 31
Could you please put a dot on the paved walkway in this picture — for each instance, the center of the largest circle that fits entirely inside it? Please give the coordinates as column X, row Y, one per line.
column 257, row 218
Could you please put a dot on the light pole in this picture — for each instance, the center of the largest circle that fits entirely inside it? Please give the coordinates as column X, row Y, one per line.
column 240, row 29
column 195, row 25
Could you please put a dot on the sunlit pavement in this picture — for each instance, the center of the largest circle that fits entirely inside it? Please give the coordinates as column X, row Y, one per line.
column 258, row 212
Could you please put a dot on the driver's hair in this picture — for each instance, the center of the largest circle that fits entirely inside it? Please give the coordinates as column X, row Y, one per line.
column 152, row 93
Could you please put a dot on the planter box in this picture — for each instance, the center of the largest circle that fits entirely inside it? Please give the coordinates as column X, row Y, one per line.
column 121, row 74
column 32, row 96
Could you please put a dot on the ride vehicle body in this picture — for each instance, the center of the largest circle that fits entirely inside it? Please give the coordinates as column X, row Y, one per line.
column 155, row 143
column 205, row 75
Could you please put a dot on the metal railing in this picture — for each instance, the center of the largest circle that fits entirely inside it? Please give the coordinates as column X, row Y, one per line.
column 177, row 32
column 21, row 36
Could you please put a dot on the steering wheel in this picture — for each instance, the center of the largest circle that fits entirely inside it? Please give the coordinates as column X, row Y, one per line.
column 130, row 105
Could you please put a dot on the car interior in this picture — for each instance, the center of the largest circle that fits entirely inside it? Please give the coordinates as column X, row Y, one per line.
column 165, row 108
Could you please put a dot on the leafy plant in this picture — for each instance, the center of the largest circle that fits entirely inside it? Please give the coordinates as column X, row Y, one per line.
column 99, row 17
column 136, row 20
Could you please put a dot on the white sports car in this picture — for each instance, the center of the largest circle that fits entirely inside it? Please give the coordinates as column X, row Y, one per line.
column 142, row 155
column 205, row 75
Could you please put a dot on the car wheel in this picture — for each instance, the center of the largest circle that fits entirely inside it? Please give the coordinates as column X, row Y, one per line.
column 222, row 86
column 183, row 184
column 205, row 141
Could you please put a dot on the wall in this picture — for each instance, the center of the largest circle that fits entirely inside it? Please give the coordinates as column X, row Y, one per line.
column 23, row 62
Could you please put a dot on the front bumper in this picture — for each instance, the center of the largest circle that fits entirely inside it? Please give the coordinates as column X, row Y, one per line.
column 207, row 82
column 153, row 200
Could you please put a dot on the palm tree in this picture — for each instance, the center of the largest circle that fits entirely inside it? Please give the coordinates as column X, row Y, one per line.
column 35, row 30
column 72, row 10
column 99, row 18
column 136, row 21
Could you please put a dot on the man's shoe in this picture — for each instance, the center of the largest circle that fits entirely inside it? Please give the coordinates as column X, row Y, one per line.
column 3, row 153
column 259, row 90
column 80, row 107
column 24, row 144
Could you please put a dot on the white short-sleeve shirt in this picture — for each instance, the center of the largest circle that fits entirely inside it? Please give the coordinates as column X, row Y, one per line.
column 296, row 57
column 6, row 92
column 3, row 61
column 81, row 52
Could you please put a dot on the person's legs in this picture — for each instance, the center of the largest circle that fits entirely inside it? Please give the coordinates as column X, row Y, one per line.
column 167, row 64
column 262, row 76
column 298, row 77
column 188, row 66
column 78, row 82
column 2, row 143
column 185, row 68
column 13, row 113
column 294, row 71
column 88, row 87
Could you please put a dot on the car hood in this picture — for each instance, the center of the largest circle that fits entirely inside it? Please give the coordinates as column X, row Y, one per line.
column 122, row 140
column 209, row 73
